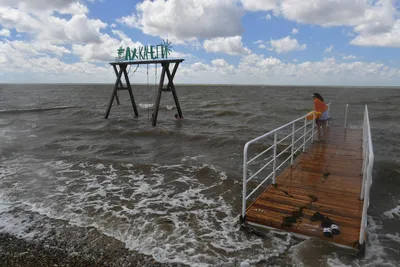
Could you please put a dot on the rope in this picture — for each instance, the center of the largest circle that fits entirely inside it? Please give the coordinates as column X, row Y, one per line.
column 148, row 95
column 134, row 71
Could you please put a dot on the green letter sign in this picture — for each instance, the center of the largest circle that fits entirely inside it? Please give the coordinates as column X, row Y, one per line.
column 144, row 52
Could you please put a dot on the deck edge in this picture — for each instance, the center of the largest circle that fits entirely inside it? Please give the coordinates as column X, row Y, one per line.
column 306, row 237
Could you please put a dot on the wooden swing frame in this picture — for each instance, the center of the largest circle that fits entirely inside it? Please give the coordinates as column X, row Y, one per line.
column 120, row 69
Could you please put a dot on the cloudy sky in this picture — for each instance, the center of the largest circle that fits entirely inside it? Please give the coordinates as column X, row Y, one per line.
column 338, row 42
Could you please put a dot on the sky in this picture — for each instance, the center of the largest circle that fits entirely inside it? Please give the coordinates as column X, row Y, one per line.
column 276, row 42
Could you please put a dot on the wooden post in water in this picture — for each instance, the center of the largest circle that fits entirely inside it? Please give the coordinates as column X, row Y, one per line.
column 116, row 73
column 119, row 86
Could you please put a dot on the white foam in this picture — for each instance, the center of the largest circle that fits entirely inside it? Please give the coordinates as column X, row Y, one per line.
column 390, row 213
column 100, row 166
column 395, row 237
column 145, row 106
column 169, row 216
column 375, row 254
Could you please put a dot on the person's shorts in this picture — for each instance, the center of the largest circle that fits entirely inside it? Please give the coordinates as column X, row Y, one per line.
column 324, row 116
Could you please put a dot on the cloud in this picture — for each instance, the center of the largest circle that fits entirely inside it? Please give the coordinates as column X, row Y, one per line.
column 40, row 6
column 390, row 38
column 223, row 67
column 182, row 20
column 325, row 12
column 30, row 58
column 50, row 28
column 375, row 22
column 5, row 32
column 268, row 17
column 329, row 49
column 106, row 50
column 349, row 57
column 260, row 5
column 295, row 31
column 286, row 45
column 37, row 48
column 271, row 70
column 229, row 45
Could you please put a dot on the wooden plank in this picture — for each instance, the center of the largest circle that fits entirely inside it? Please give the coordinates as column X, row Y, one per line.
column 348, row 236
column 338, row 194
column 347, row 207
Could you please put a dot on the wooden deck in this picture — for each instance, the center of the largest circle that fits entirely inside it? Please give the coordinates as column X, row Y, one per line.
column 328, row 173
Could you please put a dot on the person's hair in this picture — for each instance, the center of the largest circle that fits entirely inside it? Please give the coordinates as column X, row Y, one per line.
column 319, row 96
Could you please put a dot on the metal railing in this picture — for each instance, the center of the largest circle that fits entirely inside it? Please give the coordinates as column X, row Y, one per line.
column 305, row 138
column 368, row 164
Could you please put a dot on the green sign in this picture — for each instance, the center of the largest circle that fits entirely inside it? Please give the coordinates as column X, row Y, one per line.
column 149, row 52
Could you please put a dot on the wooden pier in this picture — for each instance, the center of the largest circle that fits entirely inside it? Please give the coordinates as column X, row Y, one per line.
column 326, row 178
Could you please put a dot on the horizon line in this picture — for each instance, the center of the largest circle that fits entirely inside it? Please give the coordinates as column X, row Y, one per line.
column 218, row 84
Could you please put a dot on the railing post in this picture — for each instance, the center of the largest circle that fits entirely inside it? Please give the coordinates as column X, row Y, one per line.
column 291, row 160
column 312, row 128
column 345, row 117
column 305, row 131
column 274, row 167
column 244, row 181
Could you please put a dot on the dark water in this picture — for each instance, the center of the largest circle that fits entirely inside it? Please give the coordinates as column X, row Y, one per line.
column 174, row 191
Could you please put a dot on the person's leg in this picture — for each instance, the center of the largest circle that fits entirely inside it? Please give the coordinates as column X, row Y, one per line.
column 323, row 125
column 318, row 123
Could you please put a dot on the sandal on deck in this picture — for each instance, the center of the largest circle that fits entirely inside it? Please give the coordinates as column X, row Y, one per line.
column 335, row 229
column 317, row 217
column 327, row 232
column 326, row 222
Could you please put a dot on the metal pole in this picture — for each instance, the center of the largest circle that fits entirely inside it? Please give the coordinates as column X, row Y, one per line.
column 312, row 128
column 345, row 117
column 291, row 160
column 244, row 180
column 274, row 167
column 305, row 131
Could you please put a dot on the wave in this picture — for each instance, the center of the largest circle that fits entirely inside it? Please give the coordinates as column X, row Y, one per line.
column 172, row 212
column 230, row 113
column 219, row 104
column 12, row 111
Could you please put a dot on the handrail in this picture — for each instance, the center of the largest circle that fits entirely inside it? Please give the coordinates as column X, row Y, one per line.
column 368, row 164
column 307, row 136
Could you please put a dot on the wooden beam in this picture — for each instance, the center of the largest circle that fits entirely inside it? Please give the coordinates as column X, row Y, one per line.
column 122, row 68
column 120, row 84
column 165, row 66
column 172, row 87
column 129, row 88
column 152, row 61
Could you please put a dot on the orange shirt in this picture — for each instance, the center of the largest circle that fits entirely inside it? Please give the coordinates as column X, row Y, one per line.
column 320, row 106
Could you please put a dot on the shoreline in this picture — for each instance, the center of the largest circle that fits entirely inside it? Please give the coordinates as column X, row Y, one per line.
column 15, row 251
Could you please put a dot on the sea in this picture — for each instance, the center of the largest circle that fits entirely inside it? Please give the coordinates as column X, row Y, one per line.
column 174, row 191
